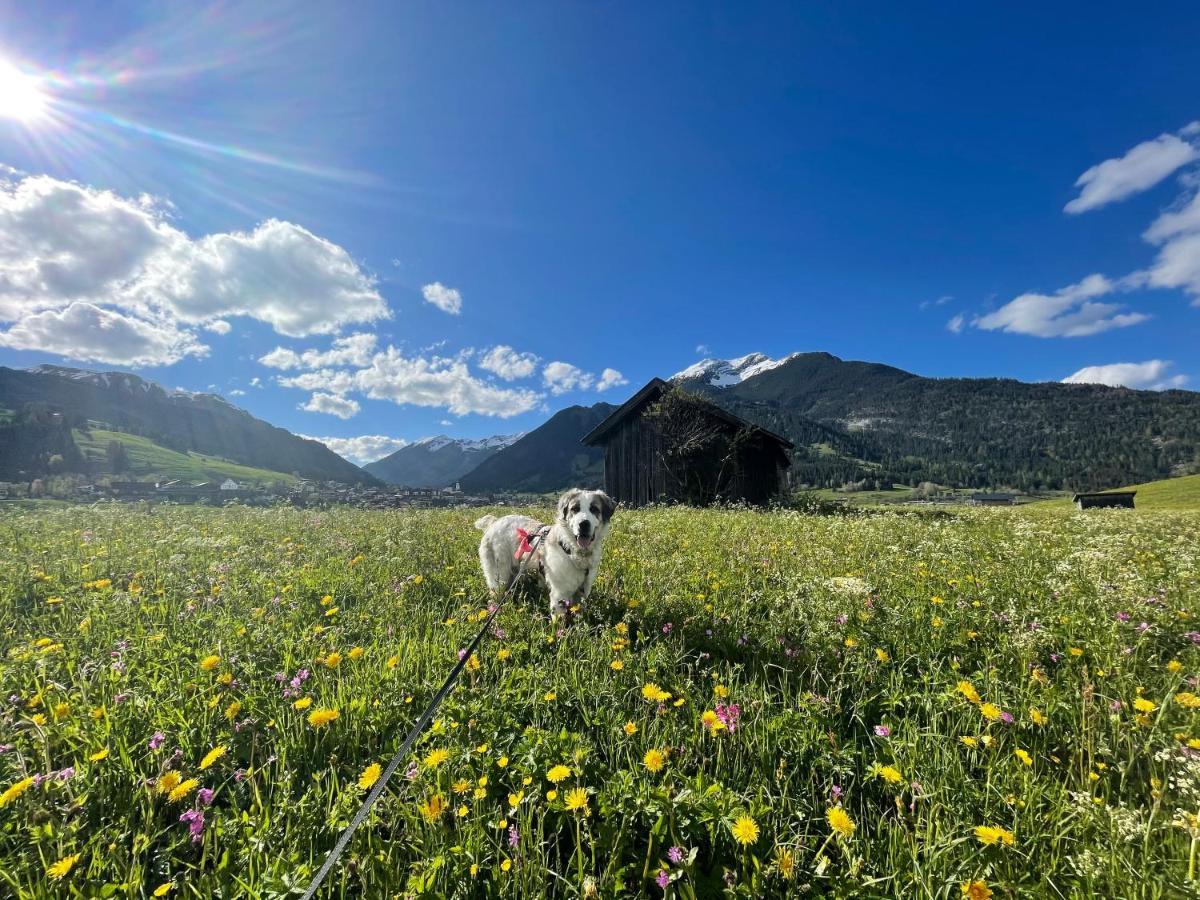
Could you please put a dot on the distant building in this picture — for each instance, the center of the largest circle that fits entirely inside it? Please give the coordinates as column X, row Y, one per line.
column 636, row 469
column 230, row 485
column 1105, row 500
column 995, row 498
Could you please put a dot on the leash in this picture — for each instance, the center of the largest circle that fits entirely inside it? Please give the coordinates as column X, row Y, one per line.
column 413, row 733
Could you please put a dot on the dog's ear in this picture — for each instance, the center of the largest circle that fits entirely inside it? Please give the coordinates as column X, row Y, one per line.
column 564, row 503
column 607, row 505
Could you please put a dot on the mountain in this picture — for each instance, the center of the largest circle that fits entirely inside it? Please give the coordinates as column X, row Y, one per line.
column 73, row 399
column 888, row 425
column 549, row 458
column 726, row 372
column 438, row 461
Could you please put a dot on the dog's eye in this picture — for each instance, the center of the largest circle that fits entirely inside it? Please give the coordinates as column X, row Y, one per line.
column 575, row 508
column 594, row 510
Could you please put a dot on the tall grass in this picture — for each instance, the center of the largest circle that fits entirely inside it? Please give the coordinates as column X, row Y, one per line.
column 888, row 667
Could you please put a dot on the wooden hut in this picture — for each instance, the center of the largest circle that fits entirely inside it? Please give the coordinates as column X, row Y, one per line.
column 739, row 461
column 1105, row 499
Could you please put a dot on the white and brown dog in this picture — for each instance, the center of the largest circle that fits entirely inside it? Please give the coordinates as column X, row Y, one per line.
column 566, row 554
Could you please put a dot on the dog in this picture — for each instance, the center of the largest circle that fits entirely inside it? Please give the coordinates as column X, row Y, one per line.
column 565, row 554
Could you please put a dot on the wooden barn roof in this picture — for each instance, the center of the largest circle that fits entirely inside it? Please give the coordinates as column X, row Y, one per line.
column 651, row 392
column 1090, row 494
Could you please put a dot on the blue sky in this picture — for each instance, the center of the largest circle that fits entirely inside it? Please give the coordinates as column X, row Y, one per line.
column 599, row 188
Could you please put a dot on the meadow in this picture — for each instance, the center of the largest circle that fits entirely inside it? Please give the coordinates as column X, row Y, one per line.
column 986, row 703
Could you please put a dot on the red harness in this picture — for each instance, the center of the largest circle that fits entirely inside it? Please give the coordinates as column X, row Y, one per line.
column 529, row 542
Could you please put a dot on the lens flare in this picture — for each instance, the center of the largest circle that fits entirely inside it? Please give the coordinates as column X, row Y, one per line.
column 21, row 95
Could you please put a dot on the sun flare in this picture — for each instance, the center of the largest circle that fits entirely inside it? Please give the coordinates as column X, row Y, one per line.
column 21, row 95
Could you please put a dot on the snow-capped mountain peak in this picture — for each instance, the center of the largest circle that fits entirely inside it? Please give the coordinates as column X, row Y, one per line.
column 726, row 372
column 495, row 442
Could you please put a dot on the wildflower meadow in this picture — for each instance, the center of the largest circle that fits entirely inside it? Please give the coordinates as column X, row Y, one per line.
column 984, row 703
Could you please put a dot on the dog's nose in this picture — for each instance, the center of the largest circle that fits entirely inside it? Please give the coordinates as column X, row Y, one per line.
column 585, row 526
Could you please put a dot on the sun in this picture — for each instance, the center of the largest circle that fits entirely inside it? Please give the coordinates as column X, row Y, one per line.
column 21, row 95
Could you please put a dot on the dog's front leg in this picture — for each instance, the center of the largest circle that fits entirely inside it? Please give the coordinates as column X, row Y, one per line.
column 560, row 606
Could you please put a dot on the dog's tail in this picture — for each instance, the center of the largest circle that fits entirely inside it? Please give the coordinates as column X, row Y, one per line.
column 482, row 524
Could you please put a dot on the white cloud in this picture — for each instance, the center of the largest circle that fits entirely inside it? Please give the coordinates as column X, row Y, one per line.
column 237, row 392
column 1069, row 312
column 610, row 378
column 1140, row 169
column 351, row 350
column 561, row 377
column 332, row 405
column 508, row 363
column 120, row 261
column 363, row 449
column 86, row 332
column 439, row 382
column 256, row 382
column 1177, row 233
column 702, row 350
column 444, row 298
column 1150, row 375
column 337, row 381
column 940, row 301
column 956, row 323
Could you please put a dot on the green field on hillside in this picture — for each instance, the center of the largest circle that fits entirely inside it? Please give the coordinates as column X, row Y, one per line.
column 1169, row 493
column 149, row 458
column 752, row 704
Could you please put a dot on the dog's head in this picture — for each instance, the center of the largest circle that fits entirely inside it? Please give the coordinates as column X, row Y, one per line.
column 585, row 514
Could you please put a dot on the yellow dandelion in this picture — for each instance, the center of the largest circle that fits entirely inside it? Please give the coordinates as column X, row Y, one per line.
column 213, row 755
column 321, row 716
column 163, row 889
column 654, row 694
column 710, row 720
column 502, row 762
column 369, row 776
column 1174, row 666
column 1023, row 756
column 616, row 665
column 745, row 830
column 433, row 808
column 503, row 653
column 210, row 662
column 992, row 834
column 14, row 791
column 1142, row 705
column 303, row 703
column 577, row 799
column 969, row 741
column 63, row 867
column 333, row 660
column 1075, row 651
column 357, row 653
column 881, row 655
column 436, row 757
column 839, row 820
column 182, row 789
column 991, row 712
column 1036, row 716
column 232, row 710
column 785, row 863
column 168, row 781
column 976, row 890
column 1187, row 700
column 968, row 690
column 99, row 755
column 551, row 795
column 630, row 728
column 890, row 774
column 549, row 695
column 654, row 760
column 557, row 774
column 506, row 865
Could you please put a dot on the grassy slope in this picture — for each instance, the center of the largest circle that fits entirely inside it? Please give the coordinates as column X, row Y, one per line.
column 1169, row 493
column 148, row 458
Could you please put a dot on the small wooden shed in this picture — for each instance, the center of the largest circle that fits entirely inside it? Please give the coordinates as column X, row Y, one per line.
column 1105, row 499
column 752, row 467
column 994, row 498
